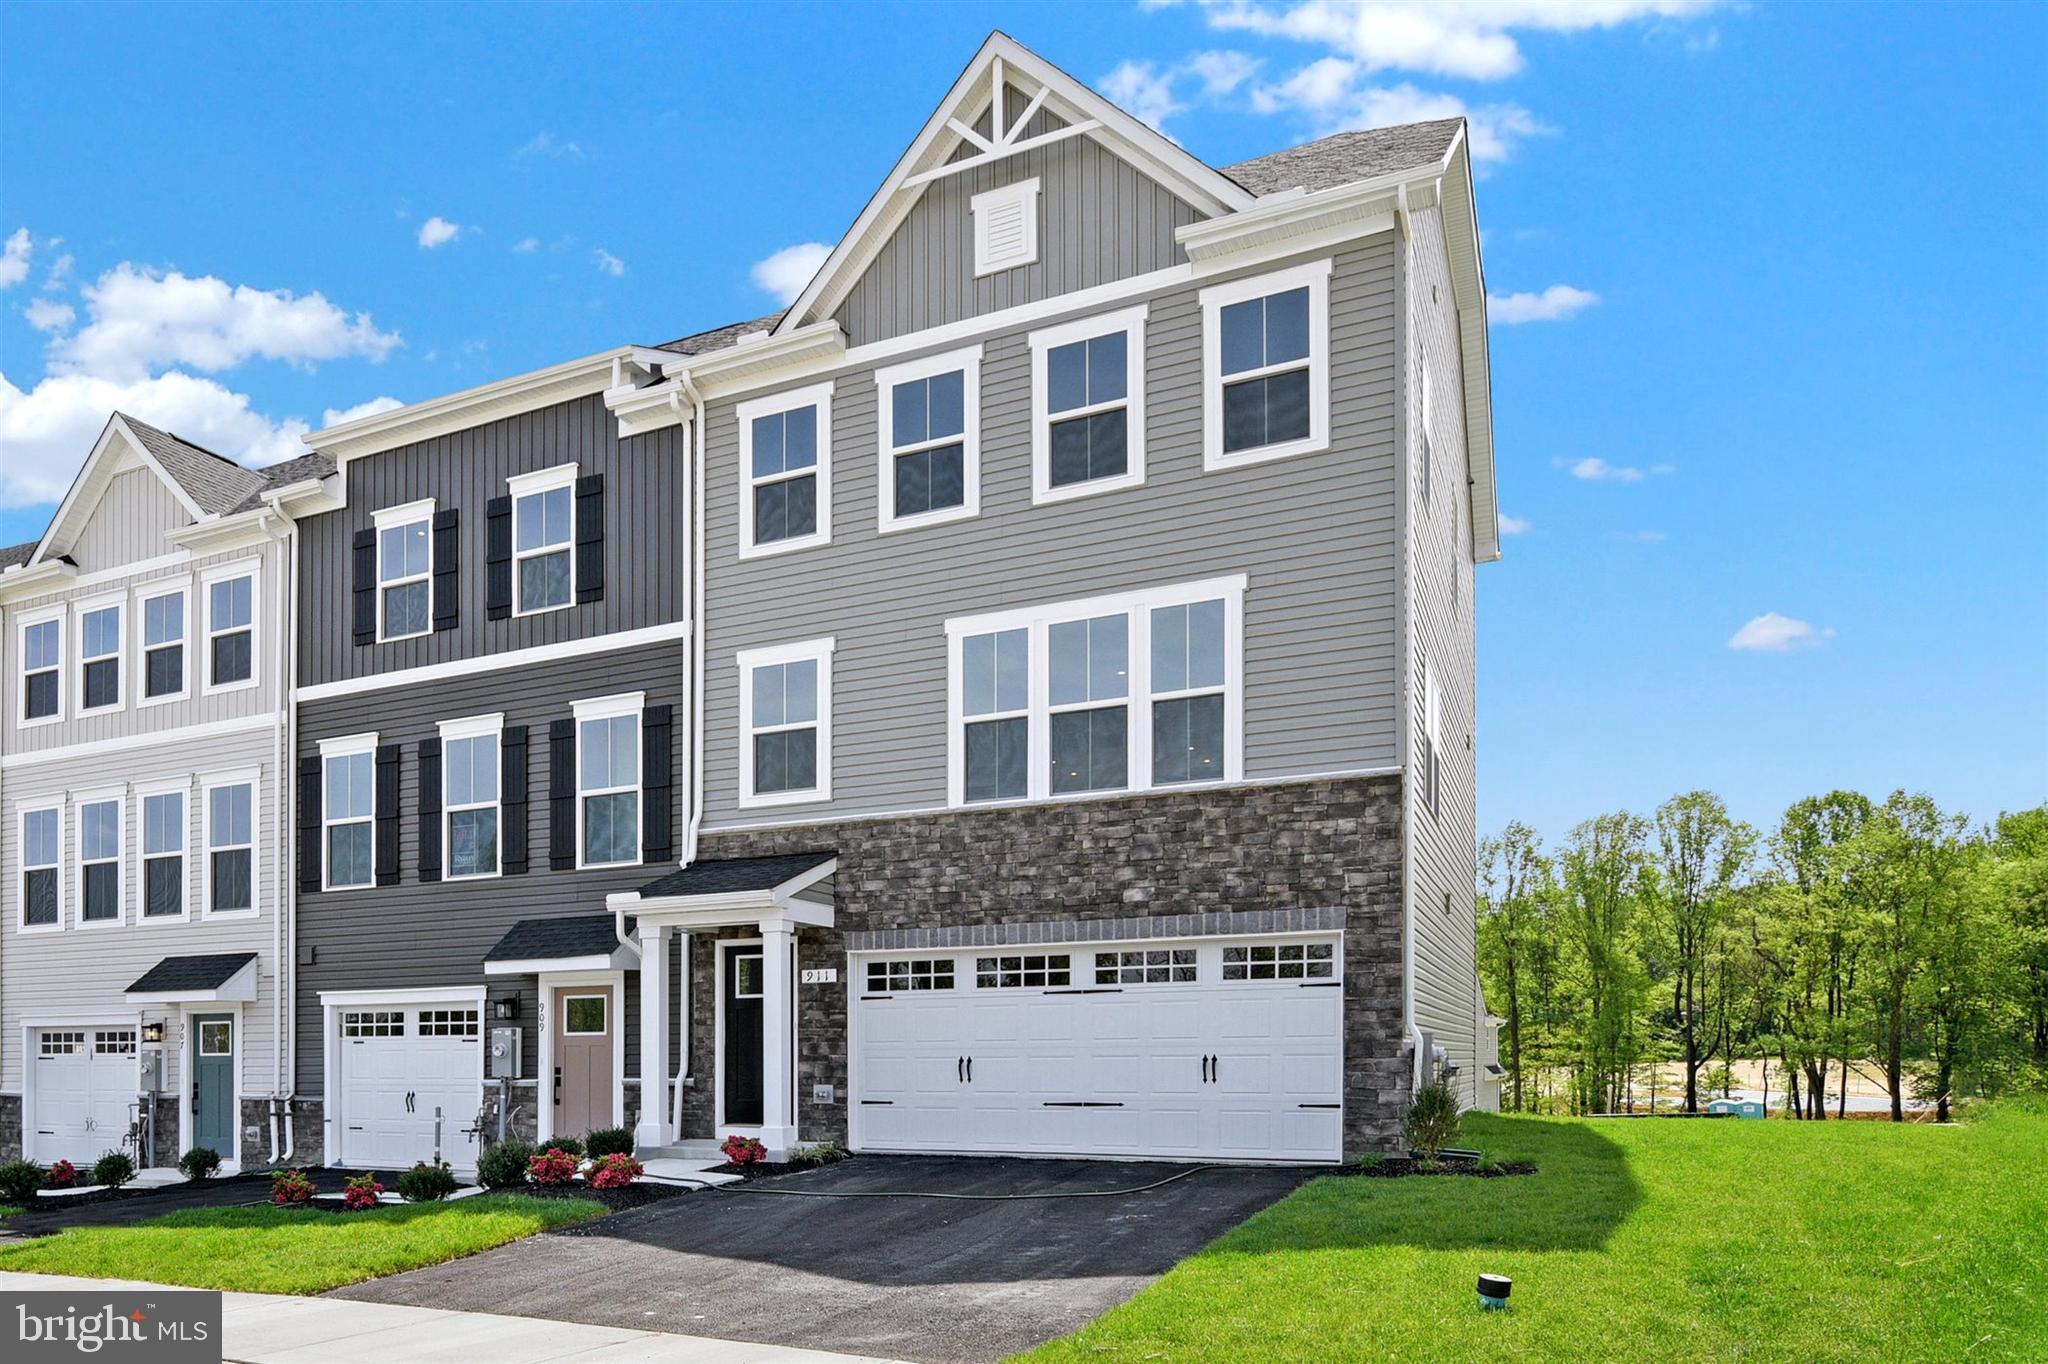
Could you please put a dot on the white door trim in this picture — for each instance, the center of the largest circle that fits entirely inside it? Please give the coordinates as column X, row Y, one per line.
column 230, row 1161
column 544, row 1095
column 31, row 1024
column 333, row 1002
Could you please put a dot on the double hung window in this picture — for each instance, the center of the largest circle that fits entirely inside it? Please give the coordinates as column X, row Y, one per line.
column 1088, row 409
column 786, row 460
column 1266, row 379
column 786, row 723
column 930, row 439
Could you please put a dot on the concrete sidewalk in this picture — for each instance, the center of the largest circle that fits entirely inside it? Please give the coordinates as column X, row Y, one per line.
column 264, row 1328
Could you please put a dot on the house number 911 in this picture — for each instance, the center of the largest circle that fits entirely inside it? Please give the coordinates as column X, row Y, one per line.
column 821, row 975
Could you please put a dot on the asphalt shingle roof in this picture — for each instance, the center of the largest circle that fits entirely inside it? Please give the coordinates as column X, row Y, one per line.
column 1344, row 157
column 17, row 554
column 735, row 874
column 577, row 935
column 283, row 475
column 174, row 974
column 215, row 482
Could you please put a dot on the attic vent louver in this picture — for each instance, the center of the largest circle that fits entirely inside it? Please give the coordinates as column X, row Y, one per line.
column 1005, row 227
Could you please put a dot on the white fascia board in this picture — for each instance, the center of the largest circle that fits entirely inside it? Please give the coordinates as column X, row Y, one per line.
column 1458, row 208
column 622, row 958
column 240, row 988
column 228, row 532
column 1363, row 202
column 91, row 482
column 470, row 407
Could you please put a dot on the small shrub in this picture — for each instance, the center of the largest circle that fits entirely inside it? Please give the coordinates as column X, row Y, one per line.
column 1433, row 1120
column 817, row 1153
column 63, row 1175
column 553, row 1167
column 568, row 1146
column 615, row 1171
column 360, row 1193
column 609, row 1141
column 1370, row 1160
column 743, row 1150
column 199, row 1163
column 503, row 1165
column 425, row 1183
column 19, row 1180
column 113, row 1169
column 290, row 1186
column 1487, row 1163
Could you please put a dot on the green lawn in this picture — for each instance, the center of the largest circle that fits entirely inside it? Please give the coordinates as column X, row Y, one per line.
column 265, row 1249
column 1638, row 1239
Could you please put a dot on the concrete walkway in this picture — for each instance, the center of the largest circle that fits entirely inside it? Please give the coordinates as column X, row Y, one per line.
column 264, row 1328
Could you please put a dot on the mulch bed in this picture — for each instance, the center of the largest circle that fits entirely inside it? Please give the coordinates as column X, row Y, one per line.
column 1403, row 1167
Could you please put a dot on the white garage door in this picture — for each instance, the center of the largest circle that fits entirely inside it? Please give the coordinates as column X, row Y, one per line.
column 398, row 1065
column 84, row 1082
column 1195, row 1050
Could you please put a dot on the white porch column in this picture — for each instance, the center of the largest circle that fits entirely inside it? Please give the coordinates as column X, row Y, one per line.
column 653, row 1128
column 778, row 1043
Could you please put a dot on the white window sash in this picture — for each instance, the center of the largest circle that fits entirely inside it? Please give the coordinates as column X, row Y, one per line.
column 403, row 518
column 536, row 484
column 252, row 780
column 81, row 610
column 48, row 616
column 608, row 708
column 332, row 750
column 452, row 731
column 250, row 569
column 820, row 396
column 1315, row 276
column 56, row 865
column 817, row 651
column 967, row 361
column 119, row 861
column 1129, row 321
column 180, row 588
column 183, row 852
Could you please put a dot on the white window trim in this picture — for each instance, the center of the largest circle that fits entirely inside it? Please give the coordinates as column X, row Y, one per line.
column 144, row 595
column 969, row 362
column 346, row 746
column 1129, row 321
column 1025, row 191
column 820, row 652
column 252, row 569
column 526, row 485
column 21, row 924
column 117, row 601
column 1138, row 607
column 183, row 790
column 565, row 999
column 253, row 779
column 391, row 518
column 473, row 727
column 1316, row 276
column 43, row 616
column 820, row 396
column 117, row 796
column 633, row 703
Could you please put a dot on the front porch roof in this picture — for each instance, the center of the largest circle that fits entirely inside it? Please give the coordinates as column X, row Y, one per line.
column 579, row 942
column 222, row 978
column 734, row 890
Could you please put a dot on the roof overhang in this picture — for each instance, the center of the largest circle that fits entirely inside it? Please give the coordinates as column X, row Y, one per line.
column 1468, row 287
column 624, row 957
column 721, row 909
column 471, row 407
column 756, row 358
column 116, row 451
column 238, row 988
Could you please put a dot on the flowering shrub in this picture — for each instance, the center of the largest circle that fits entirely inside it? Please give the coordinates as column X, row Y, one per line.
column 743, row 1150
column 615, row 1171
column 360, row 1193
column 63, row 1175
column 553, row 1166
column 290, row 1186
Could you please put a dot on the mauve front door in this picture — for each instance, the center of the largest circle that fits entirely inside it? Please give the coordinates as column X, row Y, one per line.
column 586, row 1031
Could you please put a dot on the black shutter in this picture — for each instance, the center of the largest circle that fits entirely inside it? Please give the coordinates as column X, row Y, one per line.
column 498, row 558
column 590, row 538
column 562, row 795
column 447, row 568
column 430, row 810
column 387, row 814
column 363, row 551
column 512, row 793
column 657, row 803
column 309, row 824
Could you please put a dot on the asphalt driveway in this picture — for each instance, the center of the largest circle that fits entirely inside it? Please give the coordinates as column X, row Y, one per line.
column 914, row 1278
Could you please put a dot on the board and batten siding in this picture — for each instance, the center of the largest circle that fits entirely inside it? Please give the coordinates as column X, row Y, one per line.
column 83, row 971
column 132, row 719
column 1315, row 533
column 1443, row 846
column 129, row 522
column 644, row 546
column 1100, row 219
column 434, row 934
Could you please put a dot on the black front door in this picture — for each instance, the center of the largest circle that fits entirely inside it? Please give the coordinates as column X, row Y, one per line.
column 743, row 1036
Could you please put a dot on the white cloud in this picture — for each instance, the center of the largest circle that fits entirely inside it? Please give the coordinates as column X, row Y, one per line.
column 143, row 321
column 1332, row 92
column 1222, row 72
column 1143, row 91
column 438, row 231
column 14, row 258
column 526, row 246
column 1596, row 470
column 784, row 274
column 1773, row 633
column 548, row 145
column 335, row 416
column 1514, row 525
column 1153, row 93
column 60, row 270
column 1459, row 38
column 1555, row 304
column 48, row 315
column 608, row 263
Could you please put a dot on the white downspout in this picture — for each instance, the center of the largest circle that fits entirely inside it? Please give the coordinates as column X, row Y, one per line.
column 695, row 520
column 1407, row 674
column 287, row 879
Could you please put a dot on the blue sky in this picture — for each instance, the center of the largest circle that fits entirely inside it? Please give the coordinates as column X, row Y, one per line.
column 1781, row 352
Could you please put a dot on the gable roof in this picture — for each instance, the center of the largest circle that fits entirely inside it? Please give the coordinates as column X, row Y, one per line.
column 726, row 876
column 214, row 483
column 1342, row 158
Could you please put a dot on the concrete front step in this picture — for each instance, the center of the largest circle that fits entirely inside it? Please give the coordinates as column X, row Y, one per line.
column 682, row 1150
column 684, row 1173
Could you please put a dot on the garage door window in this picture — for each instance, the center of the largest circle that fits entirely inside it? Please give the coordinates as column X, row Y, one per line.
column 113, row 1043
column 1022, row 973
column 61, row 1043
column 373, row 1024
column 887, row 977
column 448, row 1023
column 1153, row 966
column 1280, row 961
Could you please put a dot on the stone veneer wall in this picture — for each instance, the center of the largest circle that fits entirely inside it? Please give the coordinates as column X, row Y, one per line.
column 10, row 1127
column 1302, row 846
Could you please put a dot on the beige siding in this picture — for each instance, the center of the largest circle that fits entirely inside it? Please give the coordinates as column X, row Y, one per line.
column 129, row 522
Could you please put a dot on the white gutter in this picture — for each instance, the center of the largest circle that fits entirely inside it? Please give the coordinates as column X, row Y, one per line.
column 283, row 939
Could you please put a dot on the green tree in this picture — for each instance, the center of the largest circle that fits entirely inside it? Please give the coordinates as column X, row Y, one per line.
column 1514, row 932
column 1701, row 853
column 1604, row 866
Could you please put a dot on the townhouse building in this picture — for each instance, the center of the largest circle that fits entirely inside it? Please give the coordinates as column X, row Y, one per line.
column 144, row 945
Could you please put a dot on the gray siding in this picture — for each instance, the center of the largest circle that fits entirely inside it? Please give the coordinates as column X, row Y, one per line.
column 644, row 536
column 1441, row 583
column 129, row 522
column 1316, row 534
column 418, row 934
column 1100, row 220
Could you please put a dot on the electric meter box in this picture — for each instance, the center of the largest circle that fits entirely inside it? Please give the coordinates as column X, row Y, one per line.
column 502, row 1062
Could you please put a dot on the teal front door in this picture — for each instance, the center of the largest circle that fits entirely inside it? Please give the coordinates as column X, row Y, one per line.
column 213, row 1083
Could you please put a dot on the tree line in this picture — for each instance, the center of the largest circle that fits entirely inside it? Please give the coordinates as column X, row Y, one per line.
column 1892, row 937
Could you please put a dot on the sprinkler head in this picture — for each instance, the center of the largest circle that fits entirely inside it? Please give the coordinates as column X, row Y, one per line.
column 1494, row 1290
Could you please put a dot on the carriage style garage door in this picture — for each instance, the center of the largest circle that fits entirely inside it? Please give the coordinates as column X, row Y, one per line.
column 399, row 1064
column 1193, row 1050
column 84, row 1081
